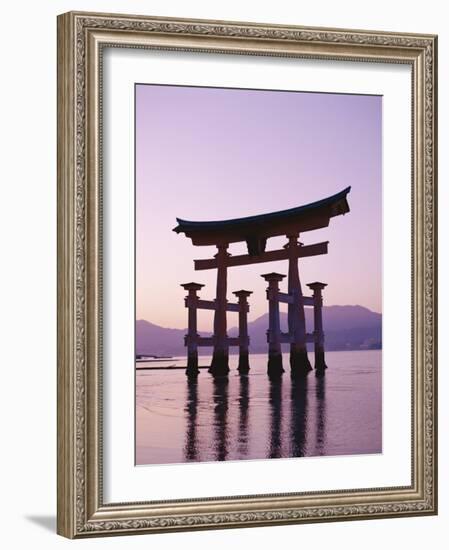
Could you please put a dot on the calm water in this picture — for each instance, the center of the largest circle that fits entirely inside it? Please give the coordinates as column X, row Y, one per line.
column 251, row 417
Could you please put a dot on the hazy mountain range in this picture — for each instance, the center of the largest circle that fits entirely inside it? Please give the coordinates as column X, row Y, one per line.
column 345, row 328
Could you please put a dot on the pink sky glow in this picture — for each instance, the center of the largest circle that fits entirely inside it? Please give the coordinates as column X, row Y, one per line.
column 214, row 153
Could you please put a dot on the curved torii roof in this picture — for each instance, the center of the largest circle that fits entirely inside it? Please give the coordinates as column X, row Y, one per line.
column 256, row 229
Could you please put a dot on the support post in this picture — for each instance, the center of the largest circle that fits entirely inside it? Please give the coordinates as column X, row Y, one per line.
column 191, row 339
column 220, row 357
column 299, row 361
column 275, row 368
column 242, row 295
column 320, row 364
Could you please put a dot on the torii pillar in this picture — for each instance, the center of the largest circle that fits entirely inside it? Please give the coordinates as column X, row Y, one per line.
column 320, row 364
column 191, row 339
column 220, row 357
column 299, row 361
column 242, row 295
column 275, row 368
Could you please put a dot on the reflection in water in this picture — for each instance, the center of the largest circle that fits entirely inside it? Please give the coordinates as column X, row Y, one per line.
column 250, row 417
column 275, row 402
column 299, row 430
column 191, row 410
column 220, row 401
column 298, row 415
column 320, row 395
column 243, row 416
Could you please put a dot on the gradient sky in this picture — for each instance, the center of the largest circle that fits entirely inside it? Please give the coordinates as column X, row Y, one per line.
column 214, row 153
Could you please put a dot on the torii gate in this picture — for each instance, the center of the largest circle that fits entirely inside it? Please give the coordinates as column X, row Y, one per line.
column 255, row 230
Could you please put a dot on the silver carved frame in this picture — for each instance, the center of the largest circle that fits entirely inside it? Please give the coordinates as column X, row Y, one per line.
column 81, row 511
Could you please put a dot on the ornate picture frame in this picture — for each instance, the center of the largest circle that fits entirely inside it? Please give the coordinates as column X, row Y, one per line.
column 82, row 38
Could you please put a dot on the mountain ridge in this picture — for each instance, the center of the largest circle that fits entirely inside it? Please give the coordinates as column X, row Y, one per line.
column 346, row 327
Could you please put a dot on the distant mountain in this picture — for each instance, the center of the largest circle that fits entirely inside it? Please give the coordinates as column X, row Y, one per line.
column 345, row 328
column 155, row 340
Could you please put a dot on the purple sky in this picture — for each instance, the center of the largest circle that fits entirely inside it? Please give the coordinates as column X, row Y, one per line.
column 212, row 153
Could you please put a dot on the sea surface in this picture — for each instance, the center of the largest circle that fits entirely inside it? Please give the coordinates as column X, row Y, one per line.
column 249, row 417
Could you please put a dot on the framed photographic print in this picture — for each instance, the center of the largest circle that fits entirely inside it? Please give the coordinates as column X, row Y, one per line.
column 246, row 274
